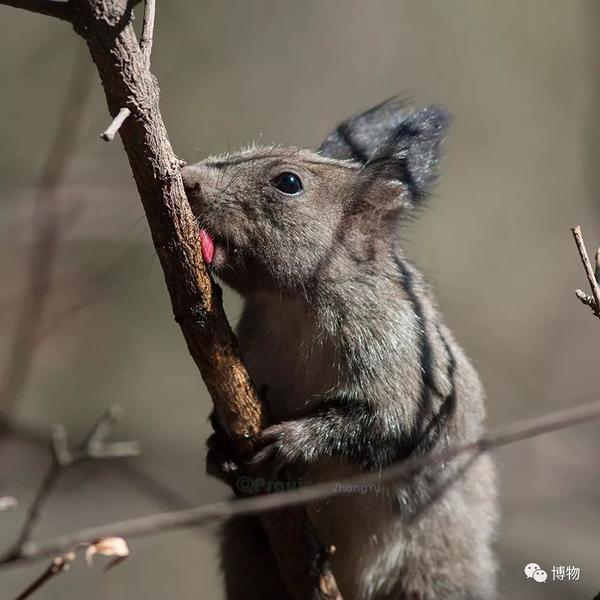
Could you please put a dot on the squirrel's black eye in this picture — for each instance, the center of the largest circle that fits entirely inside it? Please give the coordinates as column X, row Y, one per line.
column 288, row 183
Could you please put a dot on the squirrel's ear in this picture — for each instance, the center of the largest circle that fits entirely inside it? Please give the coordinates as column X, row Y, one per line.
column 402, row 144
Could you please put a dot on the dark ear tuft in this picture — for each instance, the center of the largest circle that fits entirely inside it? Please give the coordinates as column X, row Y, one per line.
column 401, row 143
column 358, row 137
column 412, row 151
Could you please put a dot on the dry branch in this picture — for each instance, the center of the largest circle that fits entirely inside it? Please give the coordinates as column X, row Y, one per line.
column 401, row 472
column 106, row 27
column 592, row 275
column 93, row 447
column 114, row 547
column 148, row 30
column 57, row 566
column 145, row 481
column 60, row 9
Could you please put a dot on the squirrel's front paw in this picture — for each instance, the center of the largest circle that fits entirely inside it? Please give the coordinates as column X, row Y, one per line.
column 283, row 448
column 220, row 459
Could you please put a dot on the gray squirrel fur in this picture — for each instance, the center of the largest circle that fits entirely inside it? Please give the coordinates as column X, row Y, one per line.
column 358, row 368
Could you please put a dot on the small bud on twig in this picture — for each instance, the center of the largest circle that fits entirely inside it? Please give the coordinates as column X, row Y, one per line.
column 7, row 503
column 110, row 546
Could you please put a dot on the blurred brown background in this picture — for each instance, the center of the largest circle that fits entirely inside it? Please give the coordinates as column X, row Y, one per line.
column 522, row 80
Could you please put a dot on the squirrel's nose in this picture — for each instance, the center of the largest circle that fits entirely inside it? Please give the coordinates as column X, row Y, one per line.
column 191, row 180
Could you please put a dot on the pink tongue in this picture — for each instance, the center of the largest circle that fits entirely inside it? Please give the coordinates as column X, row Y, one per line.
column 208, row 247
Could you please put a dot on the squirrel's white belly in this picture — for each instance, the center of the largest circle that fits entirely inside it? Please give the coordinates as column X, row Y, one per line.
column 295, row 363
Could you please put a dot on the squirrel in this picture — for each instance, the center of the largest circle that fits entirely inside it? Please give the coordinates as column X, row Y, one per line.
column 359, row 371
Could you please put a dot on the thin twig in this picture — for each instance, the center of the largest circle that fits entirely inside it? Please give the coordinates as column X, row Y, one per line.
column 399, row 473
column 58, row 565
column 108, row 135
column 592, row 301
column 148, row 31
column 92, row 447
column 102, row 429
column 47, row 238
column 154, row 488
column 34, row 511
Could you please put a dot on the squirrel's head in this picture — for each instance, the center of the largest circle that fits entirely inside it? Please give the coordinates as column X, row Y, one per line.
column 282, row 219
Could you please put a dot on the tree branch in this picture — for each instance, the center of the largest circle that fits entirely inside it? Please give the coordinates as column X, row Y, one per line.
column 61, row 9
column 401, row 472
column 57, row 566
column 148, row 30
column 93, row 447
column 106, row 27
column 146, row 482
column 592, row 301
